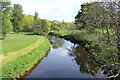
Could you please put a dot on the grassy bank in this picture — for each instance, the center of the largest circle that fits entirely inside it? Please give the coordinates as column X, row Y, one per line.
column 30, row 48
column 11, row 42
column 103, row 53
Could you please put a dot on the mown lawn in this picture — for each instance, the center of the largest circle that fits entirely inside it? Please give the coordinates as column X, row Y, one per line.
column 22, row 51
column 14, row 42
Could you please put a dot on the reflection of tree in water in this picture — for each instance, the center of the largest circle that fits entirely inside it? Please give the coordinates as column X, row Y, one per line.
column 88, row 64
column 85, row 61
column 56, row 42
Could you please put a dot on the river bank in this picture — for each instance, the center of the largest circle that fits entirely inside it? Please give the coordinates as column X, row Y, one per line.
column 66, row 60
column 16, row 63
column 91, row 44
column 88, row 45
column 106, row 56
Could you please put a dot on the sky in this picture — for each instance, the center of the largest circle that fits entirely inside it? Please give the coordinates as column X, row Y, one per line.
column 52, row 9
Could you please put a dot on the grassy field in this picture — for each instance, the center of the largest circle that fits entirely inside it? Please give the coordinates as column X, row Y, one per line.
column 14, row 42
column 21, row 53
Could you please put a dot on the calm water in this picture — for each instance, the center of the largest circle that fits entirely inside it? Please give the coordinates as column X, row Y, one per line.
column 66, row 60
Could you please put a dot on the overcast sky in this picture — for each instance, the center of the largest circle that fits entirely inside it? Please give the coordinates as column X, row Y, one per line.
column 52, row 9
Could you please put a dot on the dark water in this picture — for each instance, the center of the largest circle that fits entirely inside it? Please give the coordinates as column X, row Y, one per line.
column 66, row 60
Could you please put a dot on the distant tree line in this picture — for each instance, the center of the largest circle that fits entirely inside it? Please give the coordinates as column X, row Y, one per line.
column 13, row 20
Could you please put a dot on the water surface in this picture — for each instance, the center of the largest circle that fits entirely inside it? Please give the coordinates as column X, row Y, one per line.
column 66, row 60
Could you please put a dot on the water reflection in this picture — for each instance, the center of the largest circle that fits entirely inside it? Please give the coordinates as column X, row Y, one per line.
column 85, row 61
column 56, row 42
column 66, row 60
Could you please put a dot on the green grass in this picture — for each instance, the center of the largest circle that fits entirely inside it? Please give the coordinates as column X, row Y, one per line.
column 23, row 57
column 23, row 63
column 14, row 42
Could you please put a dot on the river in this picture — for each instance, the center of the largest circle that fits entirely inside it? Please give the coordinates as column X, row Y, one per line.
column 66, row 60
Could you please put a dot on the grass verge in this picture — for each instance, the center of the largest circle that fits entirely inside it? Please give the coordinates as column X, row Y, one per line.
column 14, row 42
column 24, row 58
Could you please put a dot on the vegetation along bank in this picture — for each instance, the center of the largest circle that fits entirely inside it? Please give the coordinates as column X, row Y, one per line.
column 23, row 52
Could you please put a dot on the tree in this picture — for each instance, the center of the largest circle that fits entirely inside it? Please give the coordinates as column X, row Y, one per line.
column 5, row 11
column 88, row 16
column 104, row 16
column 35, row 18
column 42, row 27
column 116, row 22
column 46, row 26
column 28, row 23
column 35, row 25
column 18, row 18
column 79, row 22
column 68, row 26
column 96, row 15
column 118, row 30
column 57, row 25
column 54, row 26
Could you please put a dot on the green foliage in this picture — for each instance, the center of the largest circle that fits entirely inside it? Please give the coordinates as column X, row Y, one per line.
column 45, row 26
column 6, row 16
column 42, row 27
column 91, row 44
column 28, row 23
column 54, row 25
column 35, row 18
column 68, row 26
column 18, row 18
column 100, row 21
column 59, row 26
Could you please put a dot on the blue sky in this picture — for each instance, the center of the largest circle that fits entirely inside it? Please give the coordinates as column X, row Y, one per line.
column 52, row 9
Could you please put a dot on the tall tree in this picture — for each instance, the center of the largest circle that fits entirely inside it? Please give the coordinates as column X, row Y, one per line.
column 18, row 18
column 35, row 22
column 5, row 11
column 35, row 18
column 28, row 23
column 79, row 22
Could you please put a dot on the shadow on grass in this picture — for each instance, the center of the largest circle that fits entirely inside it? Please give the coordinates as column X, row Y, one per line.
column 30, row 34
column 25, row 33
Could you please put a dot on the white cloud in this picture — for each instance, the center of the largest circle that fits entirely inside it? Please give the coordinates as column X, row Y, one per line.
column 47, row 7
